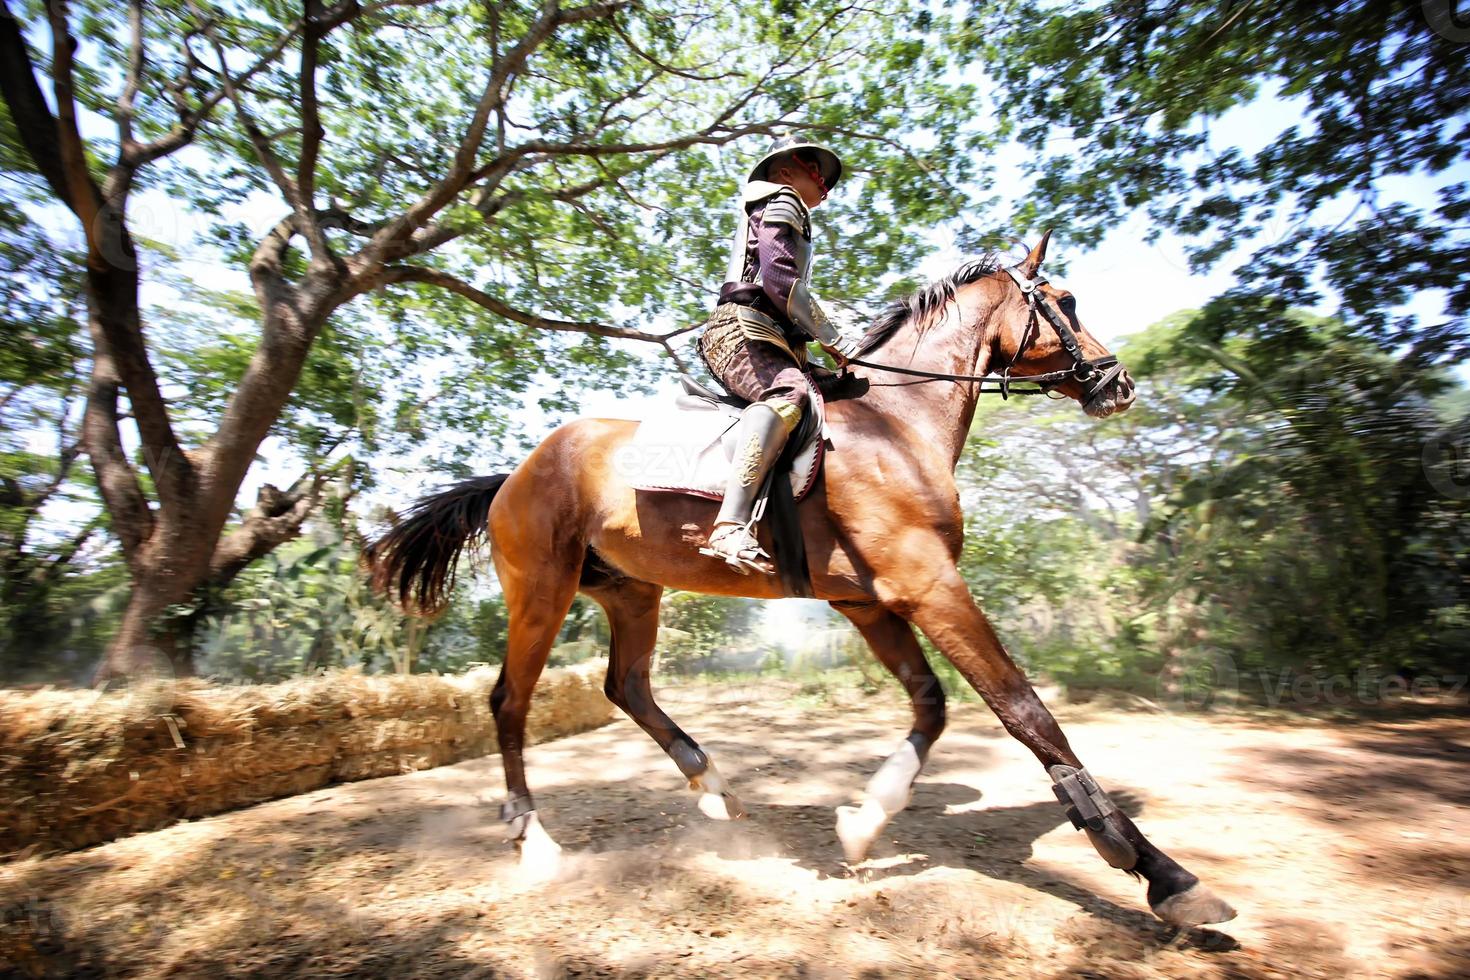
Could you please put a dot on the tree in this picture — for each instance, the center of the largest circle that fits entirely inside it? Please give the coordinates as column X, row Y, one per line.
column 40, row 350
column 1286, row 511
column 1321, row 536
column 695, row 627
column 1134, row 87
column 499, row 179
column 1266, row 501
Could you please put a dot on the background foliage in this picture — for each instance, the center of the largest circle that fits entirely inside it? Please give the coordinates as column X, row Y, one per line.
column 1289, row 496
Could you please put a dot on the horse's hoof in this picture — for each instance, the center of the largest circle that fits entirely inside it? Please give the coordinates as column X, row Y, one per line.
column 540, row 855
column 721, row 806
column 858, row 827
column 715, row 799
column 1195, row 906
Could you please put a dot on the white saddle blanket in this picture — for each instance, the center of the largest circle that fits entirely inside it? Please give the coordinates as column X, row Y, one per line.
column 688, row 449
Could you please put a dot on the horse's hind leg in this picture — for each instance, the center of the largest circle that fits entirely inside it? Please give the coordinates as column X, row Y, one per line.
column 632, row 613
column 537, row 596
column 893, row 642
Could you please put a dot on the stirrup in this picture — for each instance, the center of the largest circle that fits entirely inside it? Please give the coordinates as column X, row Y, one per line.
column 736, row 545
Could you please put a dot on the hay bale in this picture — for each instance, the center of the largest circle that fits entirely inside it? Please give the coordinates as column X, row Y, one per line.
column 82, row 767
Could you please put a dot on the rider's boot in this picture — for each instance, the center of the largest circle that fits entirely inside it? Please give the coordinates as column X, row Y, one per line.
column 759, row 437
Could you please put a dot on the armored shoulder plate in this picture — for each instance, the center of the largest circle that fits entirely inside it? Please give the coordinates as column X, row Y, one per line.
column 785, row 208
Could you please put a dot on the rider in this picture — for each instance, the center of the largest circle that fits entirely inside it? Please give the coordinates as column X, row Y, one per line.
column 755, row 341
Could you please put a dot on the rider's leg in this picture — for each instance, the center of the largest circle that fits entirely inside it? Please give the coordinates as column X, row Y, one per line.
column 759, row 438
column 770, row 378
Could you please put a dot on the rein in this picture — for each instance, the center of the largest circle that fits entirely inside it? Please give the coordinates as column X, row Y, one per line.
column 1093, row 374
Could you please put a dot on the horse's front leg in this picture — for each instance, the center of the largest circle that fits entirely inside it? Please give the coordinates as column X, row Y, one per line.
column 941, row 606
column 894, row 644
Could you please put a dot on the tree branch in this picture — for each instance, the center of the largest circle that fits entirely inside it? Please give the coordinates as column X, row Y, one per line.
column 132, row 520
column 276, row 518
column 55, row 145
column 395, row 238
column 321, row 251
column 67, row 457
column 663, row 66
column 190, row 120
column 82, row 191
column 319, row 22
column 37, row 127
column 434, row 277
column 134, row 81
column 489, row 204
column 290, row 321
column 527, row 154
column 286, row 335
column 716, row 134
column 64, row 555
column 267, row 261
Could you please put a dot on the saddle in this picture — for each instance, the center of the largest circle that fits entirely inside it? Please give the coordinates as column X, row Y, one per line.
column 690, row 449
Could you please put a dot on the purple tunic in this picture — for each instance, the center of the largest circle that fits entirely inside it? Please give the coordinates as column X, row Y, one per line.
column 768, row 248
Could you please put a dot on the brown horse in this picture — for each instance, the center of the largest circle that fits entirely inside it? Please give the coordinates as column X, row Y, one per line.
column 883, row 534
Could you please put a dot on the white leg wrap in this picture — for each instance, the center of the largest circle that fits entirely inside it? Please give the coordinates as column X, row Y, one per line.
column 892, row 786
column 540, row 855
column 887, row 793
column 715, row 799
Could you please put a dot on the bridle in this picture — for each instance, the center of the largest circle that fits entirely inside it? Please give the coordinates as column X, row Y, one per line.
column 1094, row 374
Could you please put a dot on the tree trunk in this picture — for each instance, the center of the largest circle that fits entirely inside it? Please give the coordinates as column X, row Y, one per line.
column 144, row 647
column 180, row 547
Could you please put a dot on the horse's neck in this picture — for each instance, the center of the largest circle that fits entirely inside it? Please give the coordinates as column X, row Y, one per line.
column 954, row 341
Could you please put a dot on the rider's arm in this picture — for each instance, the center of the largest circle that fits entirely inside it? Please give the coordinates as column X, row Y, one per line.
column 781, row 278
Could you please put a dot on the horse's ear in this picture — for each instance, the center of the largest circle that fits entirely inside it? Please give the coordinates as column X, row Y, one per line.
column 1032, row 263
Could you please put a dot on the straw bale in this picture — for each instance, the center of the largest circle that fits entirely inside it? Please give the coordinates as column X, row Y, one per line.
column 81, row 767
column 391, row 763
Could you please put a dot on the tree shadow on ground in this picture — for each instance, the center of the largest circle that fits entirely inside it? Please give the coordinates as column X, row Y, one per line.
column 994, row 842
column 1405, row 771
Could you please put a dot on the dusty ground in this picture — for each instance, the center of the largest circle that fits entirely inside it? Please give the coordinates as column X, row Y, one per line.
column 1344, row 846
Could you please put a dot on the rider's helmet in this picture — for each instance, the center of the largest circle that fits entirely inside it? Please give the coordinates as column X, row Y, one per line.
column 812, row 154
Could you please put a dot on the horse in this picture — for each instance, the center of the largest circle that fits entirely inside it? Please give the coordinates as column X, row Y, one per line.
column 883, row 530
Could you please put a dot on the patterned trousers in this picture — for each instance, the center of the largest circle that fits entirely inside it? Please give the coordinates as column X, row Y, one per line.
column 755, row 370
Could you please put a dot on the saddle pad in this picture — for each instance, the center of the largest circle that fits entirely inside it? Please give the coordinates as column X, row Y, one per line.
column 689, row 447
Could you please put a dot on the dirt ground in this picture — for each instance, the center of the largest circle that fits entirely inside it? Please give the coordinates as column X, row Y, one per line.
column 1345, row 846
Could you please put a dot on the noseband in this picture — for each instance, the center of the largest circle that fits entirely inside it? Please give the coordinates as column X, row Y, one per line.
column 1093, row 374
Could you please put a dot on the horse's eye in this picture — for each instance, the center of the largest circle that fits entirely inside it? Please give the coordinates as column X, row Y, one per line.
column 1068, row 303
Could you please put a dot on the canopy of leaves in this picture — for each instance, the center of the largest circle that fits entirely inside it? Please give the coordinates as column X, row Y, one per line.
column 1268, row 504
column 1114, row 103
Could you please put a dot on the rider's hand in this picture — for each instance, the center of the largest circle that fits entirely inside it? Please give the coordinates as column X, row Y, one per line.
column 838, row 358
column 842, row 351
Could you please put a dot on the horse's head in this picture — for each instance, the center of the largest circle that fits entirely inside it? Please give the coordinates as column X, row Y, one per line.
column 1040, row 336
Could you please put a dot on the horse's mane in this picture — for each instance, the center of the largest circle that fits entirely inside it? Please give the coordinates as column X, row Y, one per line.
column 921, row 304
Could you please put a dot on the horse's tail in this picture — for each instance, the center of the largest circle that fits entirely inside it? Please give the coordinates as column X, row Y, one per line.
column 414, row 560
